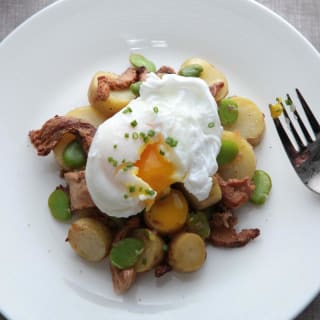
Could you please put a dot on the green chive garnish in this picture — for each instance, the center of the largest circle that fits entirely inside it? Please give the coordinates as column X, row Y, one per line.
column 171, row 142
column 125, row 196
column 115, row 146
column 151, row 133
column 155, row 109
column 133, row 123
column 132, row 189
column 162, row 152
column 149, row 192
column 127, row 110
column 126, row 135
column 210, row 124
column 135, row 135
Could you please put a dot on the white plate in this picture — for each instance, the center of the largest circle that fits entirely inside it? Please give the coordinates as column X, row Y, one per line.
column 46, row 65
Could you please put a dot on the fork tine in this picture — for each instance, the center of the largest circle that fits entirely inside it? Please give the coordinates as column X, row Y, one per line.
column 292, row 128
column 300, row 122
column 312, row 119
column 286, row 142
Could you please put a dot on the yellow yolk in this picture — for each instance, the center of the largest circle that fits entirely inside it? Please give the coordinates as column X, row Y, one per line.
column 155, row 169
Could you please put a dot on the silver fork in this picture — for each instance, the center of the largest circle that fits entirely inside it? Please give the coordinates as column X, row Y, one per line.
column 306, row 158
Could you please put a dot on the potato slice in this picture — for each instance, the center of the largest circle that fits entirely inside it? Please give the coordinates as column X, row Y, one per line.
column 214, row 196
column 244, row 163
column 168, row 214
column 187, row 252
column 250, row 123
column 88, row 114
column 153, row 250
column 90, row 239
column 116, row 100
column 210, row 75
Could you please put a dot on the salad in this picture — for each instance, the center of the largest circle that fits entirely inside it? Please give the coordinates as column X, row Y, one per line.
column 155, row 168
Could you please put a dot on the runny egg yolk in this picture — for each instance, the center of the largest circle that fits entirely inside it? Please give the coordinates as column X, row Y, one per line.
column 155, row 169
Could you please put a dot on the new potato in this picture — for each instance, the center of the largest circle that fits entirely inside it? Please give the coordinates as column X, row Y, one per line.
column 116, row 100
column 244, row 164
column 250, row 123
column 210, row 75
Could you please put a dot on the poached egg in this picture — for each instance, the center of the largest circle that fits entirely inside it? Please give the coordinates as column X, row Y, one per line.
column 171, row 133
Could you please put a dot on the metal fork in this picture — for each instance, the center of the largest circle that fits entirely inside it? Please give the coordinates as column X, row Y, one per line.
column 306, row 158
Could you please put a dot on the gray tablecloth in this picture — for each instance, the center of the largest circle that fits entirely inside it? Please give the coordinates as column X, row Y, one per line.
column 303, row 14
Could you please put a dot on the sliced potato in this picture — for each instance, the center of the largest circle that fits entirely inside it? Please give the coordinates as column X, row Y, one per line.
column 90, row 239
column 250, row 123
column 210, row 75
column 117, row 98
column 214, row 196
column 88, row 114
column 153, row 250
column 168, row 214
column 244, row 164
column 187, row 252
column 59, row 149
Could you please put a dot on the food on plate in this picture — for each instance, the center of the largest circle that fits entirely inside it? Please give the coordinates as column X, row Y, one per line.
column 155, row 168
column 90, row 239
column 215, row 79
column 250, row 120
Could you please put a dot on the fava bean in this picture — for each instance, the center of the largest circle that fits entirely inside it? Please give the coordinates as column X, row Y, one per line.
column 138, row 60
column 228, row 152
column 263, row 184
column 73, row 155
column 228, row 111
column 125, row 253
column 192, row 70
column 198, row 223
column 135, row 87
column 59, row 205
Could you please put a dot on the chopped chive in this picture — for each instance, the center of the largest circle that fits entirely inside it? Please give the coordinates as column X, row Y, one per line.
column 171, row 142
column 115, row 163
column 127, row 110
column 165, row 247
column 279, row 100
column 125, row 196
column 129, row 165
column 110, row 159
column 126, row 135
column 135, row 135
column 151, row 133
column 132, row 189
column 155, row 109
column 133, row 123
column 115, row 146
column 140, row 189
column 146, row 139
column 149, row 192
column 162, row 152
column 142, row 135
column 210, row 124
column 123, row 161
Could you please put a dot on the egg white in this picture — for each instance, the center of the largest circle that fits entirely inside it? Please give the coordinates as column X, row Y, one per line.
column 174, row 106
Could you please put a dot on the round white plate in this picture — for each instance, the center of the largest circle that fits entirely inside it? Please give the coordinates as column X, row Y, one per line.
column 46, row 66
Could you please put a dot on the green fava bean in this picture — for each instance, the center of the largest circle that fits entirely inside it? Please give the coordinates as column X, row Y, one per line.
column 135, row 88
column 228, row 152
column 192, row 70
column 125, row 253
column 228, row 111
column 263, row 185
column 59, row 205
column 73, row 155
column 138, row 60
column 198, row 223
